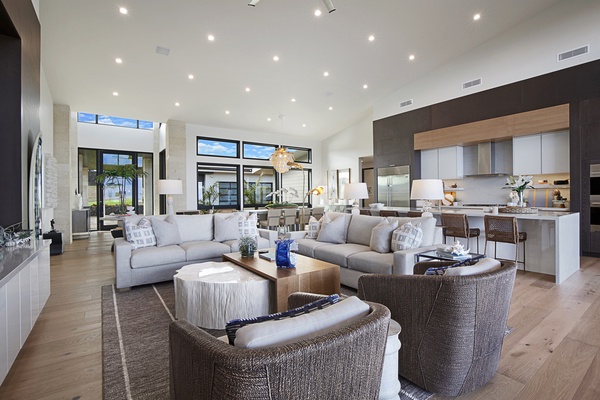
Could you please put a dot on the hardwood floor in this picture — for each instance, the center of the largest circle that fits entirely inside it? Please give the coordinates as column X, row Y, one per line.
column 552, row 353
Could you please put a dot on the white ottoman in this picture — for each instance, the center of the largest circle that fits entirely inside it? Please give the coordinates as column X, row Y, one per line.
column 210, row 294
column 390, row 385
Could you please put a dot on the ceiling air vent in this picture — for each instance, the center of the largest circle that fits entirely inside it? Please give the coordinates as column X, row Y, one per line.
column 406, row 103
column 573, row 53
column 470, row 84
column 162, row 51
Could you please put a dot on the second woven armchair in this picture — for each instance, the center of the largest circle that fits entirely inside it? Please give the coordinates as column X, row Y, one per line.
column 452, row 326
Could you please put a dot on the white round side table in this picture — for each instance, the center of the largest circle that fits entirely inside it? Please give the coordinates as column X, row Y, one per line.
column 390, row 385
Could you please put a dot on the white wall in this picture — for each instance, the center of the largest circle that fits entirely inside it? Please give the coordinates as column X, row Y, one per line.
column 525, row 51
column 47, row 129
column 192, row 131
column 95, row 136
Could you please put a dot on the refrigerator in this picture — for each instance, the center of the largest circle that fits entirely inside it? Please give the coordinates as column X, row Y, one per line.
column 393, row 186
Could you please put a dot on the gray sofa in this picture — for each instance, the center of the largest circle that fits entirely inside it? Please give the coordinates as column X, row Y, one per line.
column 199, row 238
column 355, row 256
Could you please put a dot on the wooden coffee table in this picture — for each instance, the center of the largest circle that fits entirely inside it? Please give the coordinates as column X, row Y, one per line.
column 310, row 275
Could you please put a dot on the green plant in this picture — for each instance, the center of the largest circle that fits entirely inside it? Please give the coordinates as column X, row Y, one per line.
column 210, row 195
column 120, row 175
column 253, row 192
column 247, row 245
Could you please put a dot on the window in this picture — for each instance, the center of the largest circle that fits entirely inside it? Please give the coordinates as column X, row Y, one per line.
column 296, row 183
column 258, row 151
column 258, row 183
column 301, row 154
column 218, row 186
column 100, row 119
column 218, row 147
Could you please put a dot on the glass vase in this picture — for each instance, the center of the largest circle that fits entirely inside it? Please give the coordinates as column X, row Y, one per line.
column 283, row 256
column 521, row 200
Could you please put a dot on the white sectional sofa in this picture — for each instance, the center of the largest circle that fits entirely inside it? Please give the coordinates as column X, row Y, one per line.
column 180, row 240
column 354, row 254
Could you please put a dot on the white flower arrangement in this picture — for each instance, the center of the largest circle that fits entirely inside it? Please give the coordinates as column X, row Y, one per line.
column 519, row 184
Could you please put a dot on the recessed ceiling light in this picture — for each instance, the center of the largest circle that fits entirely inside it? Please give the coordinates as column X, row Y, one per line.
column 269, row 119
column 123, row 10
column 190, row 76
column 371, row 38
column 177, row 104
column 247, row 89
column 317, row 13
column 275, row 58
column 330, row 108
column 365, row 86
column 325, row 73
column 118, row 60
column 304, row 125
column 476, row 17
column 411, row 57
column 211, row 38
column 293, row 100
column 115, row 93
column 227, row 112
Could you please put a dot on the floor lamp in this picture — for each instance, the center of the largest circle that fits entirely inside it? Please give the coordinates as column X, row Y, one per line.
column 170, row 187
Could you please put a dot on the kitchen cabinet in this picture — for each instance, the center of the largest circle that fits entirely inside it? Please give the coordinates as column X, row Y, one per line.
column 546, row 153
column 442, row 163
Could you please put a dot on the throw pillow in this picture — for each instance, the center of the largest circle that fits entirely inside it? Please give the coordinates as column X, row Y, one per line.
column 332, row 231
column 140, row 235
column 247, row 225
column 313, row 228
column 226, row 227
column 232, row 326
column 381, row 236
column 482, row 266
column 408, row 236
column 167, row 232
column 302, row 327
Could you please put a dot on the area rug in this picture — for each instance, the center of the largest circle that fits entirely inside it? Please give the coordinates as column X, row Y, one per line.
column 135, row 336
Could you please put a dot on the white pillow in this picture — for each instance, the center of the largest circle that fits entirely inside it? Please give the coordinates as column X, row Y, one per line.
column 408, row 236
column 226, row 226
column 167, row 232
column 332, row 231
column 381, row 236
column 481, row 266
column 247, row 225
column 140, row 235
column 313, row 227
column 290, row 330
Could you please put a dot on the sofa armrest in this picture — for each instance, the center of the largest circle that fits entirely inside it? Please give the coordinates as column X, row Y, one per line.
column 123, row 263
column 438, row 235
column 404, row 260
column 296, row 235
column 269, row 235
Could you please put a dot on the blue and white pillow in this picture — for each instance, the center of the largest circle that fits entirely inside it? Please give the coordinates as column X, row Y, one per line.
column 140, row 235
column 408, row 236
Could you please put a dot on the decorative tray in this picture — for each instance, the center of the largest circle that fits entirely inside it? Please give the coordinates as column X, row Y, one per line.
column 518, row 210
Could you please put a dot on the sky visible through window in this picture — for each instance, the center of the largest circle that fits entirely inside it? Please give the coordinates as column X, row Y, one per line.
column 220, row 148
column 261, row 152
column 114, row 121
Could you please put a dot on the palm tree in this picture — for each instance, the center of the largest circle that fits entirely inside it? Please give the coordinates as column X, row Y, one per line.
column 120, row 175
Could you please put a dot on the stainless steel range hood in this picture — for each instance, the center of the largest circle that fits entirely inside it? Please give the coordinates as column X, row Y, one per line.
column 488, row 159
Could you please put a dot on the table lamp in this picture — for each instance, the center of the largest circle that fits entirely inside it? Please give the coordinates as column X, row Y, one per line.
column 427, row 190
column 170, row 187
column 355, row 191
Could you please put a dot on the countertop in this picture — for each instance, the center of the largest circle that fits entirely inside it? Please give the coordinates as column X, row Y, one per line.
column 542, row 214
column 13, row 257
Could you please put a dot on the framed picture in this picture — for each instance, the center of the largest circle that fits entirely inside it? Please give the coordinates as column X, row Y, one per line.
column 332, row 184
column 343, row 177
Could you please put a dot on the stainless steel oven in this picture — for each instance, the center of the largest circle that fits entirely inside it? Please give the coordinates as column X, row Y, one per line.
column 595, row 197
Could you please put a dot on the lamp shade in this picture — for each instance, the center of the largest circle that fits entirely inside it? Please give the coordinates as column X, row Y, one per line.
column 427, row 189
column 170, row 186
column 356, row 191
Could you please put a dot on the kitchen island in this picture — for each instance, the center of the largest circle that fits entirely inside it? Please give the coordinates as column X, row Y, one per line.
column 552, row 245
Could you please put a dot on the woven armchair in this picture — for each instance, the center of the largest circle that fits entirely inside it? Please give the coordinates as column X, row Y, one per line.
column 452, row 326
column 342, row 364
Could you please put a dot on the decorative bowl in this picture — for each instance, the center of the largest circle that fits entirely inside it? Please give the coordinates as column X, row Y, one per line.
column 376, row 206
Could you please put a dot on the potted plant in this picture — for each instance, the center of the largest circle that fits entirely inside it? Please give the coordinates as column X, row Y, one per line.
column 120, row 175
column 248, row 245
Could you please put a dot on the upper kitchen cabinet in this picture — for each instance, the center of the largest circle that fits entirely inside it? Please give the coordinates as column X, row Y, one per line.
column 442, row 163
column 547, row 153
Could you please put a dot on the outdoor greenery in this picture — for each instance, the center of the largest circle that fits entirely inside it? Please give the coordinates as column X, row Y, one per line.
column 209, row 196
column 120, row 175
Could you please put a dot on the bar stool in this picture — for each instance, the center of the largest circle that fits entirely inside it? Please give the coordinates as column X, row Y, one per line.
column 365, row 212
column 457, row 225
column 504, row 230
column 414, row 214
column 388, row 213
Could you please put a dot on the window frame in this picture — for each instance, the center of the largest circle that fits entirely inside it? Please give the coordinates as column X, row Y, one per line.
column 97, row 122
column 258, row 144
column 273, row 188
column 307, row 149
column 213, row 139
column 217, row 167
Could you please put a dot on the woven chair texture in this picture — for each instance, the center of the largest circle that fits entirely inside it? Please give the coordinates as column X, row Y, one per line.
column 452, row 326
column 414, row 214
column 505, row 230
column 388, row 213
column 365, row 212
column 457, row 225
column 343, row 364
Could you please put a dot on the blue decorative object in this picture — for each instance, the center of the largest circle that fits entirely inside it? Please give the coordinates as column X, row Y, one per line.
column 283, row 257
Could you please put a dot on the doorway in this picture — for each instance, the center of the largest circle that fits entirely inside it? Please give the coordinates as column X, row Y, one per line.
column 368, row 177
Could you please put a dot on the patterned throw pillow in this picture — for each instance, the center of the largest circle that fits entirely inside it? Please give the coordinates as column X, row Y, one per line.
column 247, row 225
column 408, row 236
column 313, row 228
column 232, row 326
column 140, row 235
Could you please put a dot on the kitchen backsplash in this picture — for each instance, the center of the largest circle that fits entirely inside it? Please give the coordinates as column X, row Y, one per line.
column 488, row 190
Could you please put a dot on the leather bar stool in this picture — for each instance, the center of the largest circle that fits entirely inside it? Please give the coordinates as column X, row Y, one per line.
column 504, row 230
column 388, row 213
column 413, row 214
column 457, row 225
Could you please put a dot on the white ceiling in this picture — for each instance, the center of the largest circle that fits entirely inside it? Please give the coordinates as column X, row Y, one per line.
column 82, row 38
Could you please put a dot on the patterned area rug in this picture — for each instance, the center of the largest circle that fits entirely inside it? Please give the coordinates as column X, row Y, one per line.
column 135, row 335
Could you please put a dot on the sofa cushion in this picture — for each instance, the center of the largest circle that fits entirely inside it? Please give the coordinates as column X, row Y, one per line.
column 313, row 227
column 372, row 262
column 482, row 266
column 332, row 230
column 195, row 227
column 381, row 235
column 152, row 256
column 307, row 247
column 167, row 232
column 359, row 230
column 204, row 250
column 338, row 254
column 226, row 226
column 427, row 225
column 247, row 225
column 408, row 236
column 262, row 243
column 140, row 234
column 302, row 327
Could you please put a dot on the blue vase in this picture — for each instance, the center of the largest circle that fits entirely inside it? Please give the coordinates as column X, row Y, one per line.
column 283, row 256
